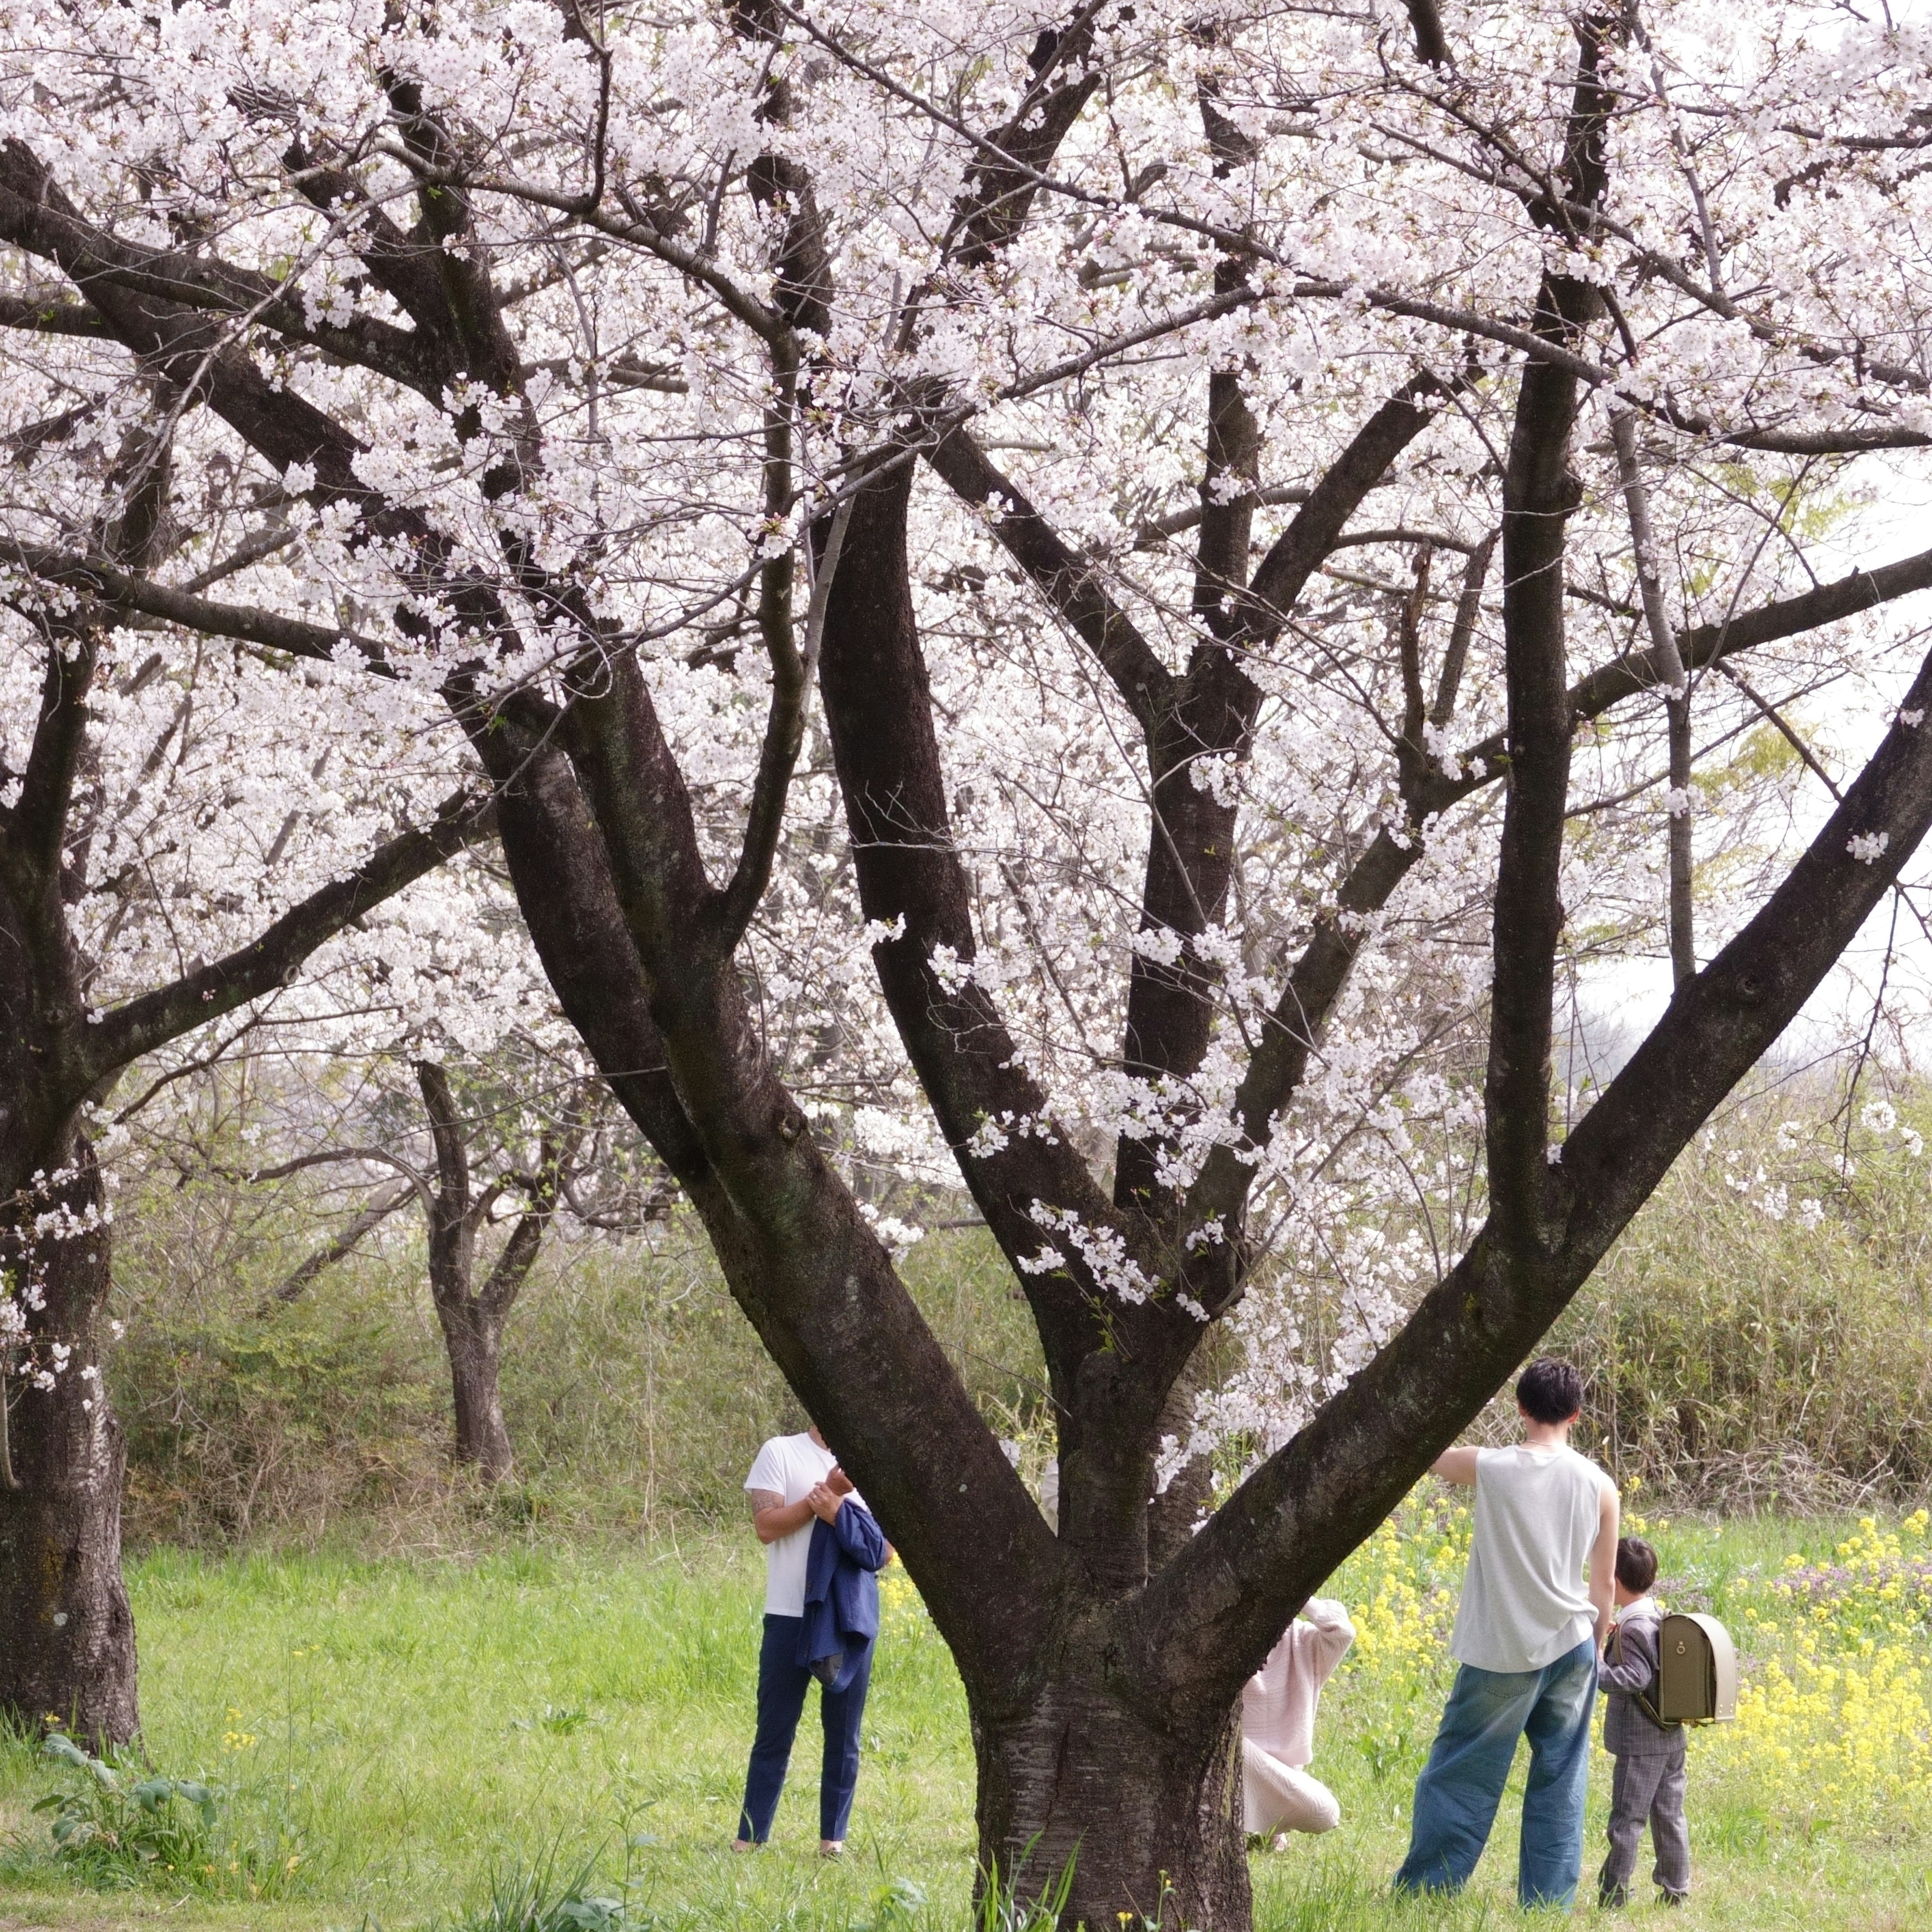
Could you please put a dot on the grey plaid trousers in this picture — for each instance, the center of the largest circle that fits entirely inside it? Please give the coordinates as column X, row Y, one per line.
column 1649, row 1787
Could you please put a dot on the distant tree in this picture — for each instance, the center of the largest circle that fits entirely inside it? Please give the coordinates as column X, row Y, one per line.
column 551, row 1150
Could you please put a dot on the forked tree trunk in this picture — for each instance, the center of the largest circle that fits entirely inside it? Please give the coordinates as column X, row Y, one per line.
column 67, row 1634
column 472, row 1318
column 1172, row 1850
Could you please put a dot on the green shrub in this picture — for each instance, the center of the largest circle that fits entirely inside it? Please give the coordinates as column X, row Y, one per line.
column 115, row 1824
column 109, row 1831
column 1746, row 1348
column 1758, row 1338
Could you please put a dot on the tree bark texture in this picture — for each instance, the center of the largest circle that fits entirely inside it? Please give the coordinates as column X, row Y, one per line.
column 66, row 1635
column 473, row 1335
column 1149, row 1817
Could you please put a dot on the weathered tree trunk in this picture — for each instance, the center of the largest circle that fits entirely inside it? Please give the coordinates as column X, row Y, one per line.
column 66, row 1635
column 473, row 1319
column 472, row 1332
column 1172, row 1850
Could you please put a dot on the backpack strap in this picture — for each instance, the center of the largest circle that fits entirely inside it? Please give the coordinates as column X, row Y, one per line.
column 1645, row 1699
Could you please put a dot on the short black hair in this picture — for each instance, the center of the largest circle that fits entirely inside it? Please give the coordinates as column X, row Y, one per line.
column 1550, row 1390
column 1636, row 1564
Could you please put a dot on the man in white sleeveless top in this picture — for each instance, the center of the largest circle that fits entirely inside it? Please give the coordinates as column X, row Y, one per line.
column 1528, row 1634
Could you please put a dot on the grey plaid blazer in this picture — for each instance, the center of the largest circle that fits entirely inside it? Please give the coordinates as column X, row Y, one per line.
column 1629, row 1666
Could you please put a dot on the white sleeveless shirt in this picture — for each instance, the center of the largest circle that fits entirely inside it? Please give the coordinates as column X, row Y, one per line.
column 1524, row 1602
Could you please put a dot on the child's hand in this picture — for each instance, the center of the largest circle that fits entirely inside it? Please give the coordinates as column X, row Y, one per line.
column 838, row 1482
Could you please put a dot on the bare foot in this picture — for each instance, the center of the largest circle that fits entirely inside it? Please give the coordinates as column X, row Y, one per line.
column 831, row 1848
column 741, row 1844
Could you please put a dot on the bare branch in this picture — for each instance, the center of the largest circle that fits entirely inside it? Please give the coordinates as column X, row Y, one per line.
column 125, row 592
column 297, row 1283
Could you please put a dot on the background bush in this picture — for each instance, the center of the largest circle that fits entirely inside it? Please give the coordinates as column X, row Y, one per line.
column 1759, row 1337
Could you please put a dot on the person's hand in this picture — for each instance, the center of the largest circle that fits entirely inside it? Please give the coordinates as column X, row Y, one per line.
column 838, row 1482
column 824, row 1503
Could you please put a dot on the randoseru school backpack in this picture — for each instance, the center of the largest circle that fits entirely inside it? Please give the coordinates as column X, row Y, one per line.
column 1697, row 1681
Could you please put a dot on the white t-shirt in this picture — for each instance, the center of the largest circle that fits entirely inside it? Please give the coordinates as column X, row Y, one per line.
column 790, row 1467
column 1524, row 1603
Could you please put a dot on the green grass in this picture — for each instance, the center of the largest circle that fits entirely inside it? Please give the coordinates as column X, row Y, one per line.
column 405, row 1730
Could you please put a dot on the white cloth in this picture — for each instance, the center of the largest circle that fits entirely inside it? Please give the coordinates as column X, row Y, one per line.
column 1280, row 1797
column 1278, row 1706
column 1524, row 1603
column 789, row 1467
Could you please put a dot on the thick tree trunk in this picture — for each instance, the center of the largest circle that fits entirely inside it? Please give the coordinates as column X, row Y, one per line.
column 473, row 1333
column 1170, row 1847
column 67, row 1634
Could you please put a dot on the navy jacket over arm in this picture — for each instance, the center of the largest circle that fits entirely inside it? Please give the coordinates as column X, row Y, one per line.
column 842, row 1593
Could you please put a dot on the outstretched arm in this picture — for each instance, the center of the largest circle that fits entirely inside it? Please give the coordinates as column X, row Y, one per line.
column 1456, row 1465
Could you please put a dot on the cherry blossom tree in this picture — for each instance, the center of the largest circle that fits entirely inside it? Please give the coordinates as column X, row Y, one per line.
column 165, row 867
column 1291, row 515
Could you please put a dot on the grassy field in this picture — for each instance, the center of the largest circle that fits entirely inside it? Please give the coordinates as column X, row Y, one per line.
column 397, row 1742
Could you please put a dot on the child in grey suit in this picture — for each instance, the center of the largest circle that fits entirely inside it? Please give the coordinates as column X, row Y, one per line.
column 1649, row 1780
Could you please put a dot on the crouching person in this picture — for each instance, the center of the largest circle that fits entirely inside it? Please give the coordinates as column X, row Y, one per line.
column 1279, row 1793
column 822, row 1551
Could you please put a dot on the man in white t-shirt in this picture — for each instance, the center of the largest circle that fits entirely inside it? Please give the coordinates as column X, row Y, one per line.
column 1528, row 1634
column 795, row 1482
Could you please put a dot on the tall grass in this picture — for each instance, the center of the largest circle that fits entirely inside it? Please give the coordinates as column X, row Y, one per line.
column 1761, row 1337
column 544, row 1734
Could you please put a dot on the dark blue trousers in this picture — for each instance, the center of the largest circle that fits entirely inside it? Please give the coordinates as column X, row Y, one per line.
column 782, row 1684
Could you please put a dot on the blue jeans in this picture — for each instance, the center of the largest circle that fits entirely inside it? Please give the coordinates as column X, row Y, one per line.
column 782, row 1684
column 1461, row 1786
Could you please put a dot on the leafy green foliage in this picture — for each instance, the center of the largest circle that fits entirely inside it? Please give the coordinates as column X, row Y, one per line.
column 115, row 1824
column 111, row 1828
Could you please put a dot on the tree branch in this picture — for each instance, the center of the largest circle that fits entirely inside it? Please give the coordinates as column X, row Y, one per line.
column 53, row 315
column 365, row 1223
column 1705, row 644
column 101, row 579
column 1279, row 1061
column 1676, row 693
column 1292, row 1521
column 126, row 1032
column 1539, row 494
column 512, row 1267
column 31, row 206
column 446, row 1134
column 1301, row 549
column 1070, row 585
